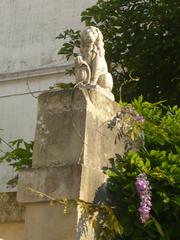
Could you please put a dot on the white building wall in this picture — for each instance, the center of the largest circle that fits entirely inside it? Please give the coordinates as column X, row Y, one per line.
column 29, row 63
column 28, row 29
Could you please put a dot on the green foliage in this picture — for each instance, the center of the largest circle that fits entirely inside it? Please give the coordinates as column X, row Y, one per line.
column 162, row 128
column 159, row 159
column 74, row 42
column 69, row 48
column 141, row 40
column 62, row 86
column 103, row 220
column 19, row 157
column 143, row 37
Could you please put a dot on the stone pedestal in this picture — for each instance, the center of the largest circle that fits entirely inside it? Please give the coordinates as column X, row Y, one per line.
column 72, row 144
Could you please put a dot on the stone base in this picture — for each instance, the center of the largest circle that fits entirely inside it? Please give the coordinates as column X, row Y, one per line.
column 72, row 144
column 45, row 222
column 49, row 222
column 37, row 186
column 72, row 128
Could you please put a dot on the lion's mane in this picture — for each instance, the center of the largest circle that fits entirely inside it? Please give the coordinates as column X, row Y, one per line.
column 98, row 46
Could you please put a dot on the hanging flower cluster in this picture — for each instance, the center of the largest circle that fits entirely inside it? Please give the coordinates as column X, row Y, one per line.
column 144, row 190
column 128, row 124
column 127, row 119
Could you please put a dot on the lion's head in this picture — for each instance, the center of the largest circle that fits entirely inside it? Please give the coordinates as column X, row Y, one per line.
column 92, row 37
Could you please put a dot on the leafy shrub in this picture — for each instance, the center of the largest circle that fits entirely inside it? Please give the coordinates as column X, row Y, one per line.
column 159, row 160
column 19, row 157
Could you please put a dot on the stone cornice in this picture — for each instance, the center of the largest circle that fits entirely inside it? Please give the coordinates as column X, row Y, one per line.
column 33, row 73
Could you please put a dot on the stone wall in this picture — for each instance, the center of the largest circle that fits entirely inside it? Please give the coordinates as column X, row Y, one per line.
column 11, row 218
column 29, row 28
column 12, row 231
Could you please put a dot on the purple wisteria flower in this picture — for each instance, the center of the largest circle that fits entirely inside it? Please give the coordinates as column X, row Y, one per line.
column 135, row 116
column 139, row 119
column 144, row 190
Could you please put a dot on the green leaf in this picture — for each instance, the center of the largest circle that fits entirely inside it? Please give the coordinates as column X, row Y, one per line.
column 111, row 173
column 158, row 227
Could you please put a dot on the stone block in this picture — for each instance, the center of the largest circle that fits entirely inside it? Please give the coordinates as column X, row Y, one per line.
column 45, row 222
column 61, row 122
column 71, row 182
column 72, row 129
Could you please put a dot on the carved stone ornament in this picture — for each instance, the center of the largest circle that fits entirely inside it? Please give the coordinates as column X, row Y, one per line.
column 91, row 68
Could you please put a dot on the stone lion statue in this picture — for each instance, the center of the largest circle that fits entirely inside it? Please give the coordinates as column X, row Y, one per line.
column 91, row 67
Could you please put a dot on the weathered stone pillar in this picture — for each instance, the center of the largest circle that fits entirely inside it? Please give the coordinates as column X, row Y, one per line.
column 72, row 144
